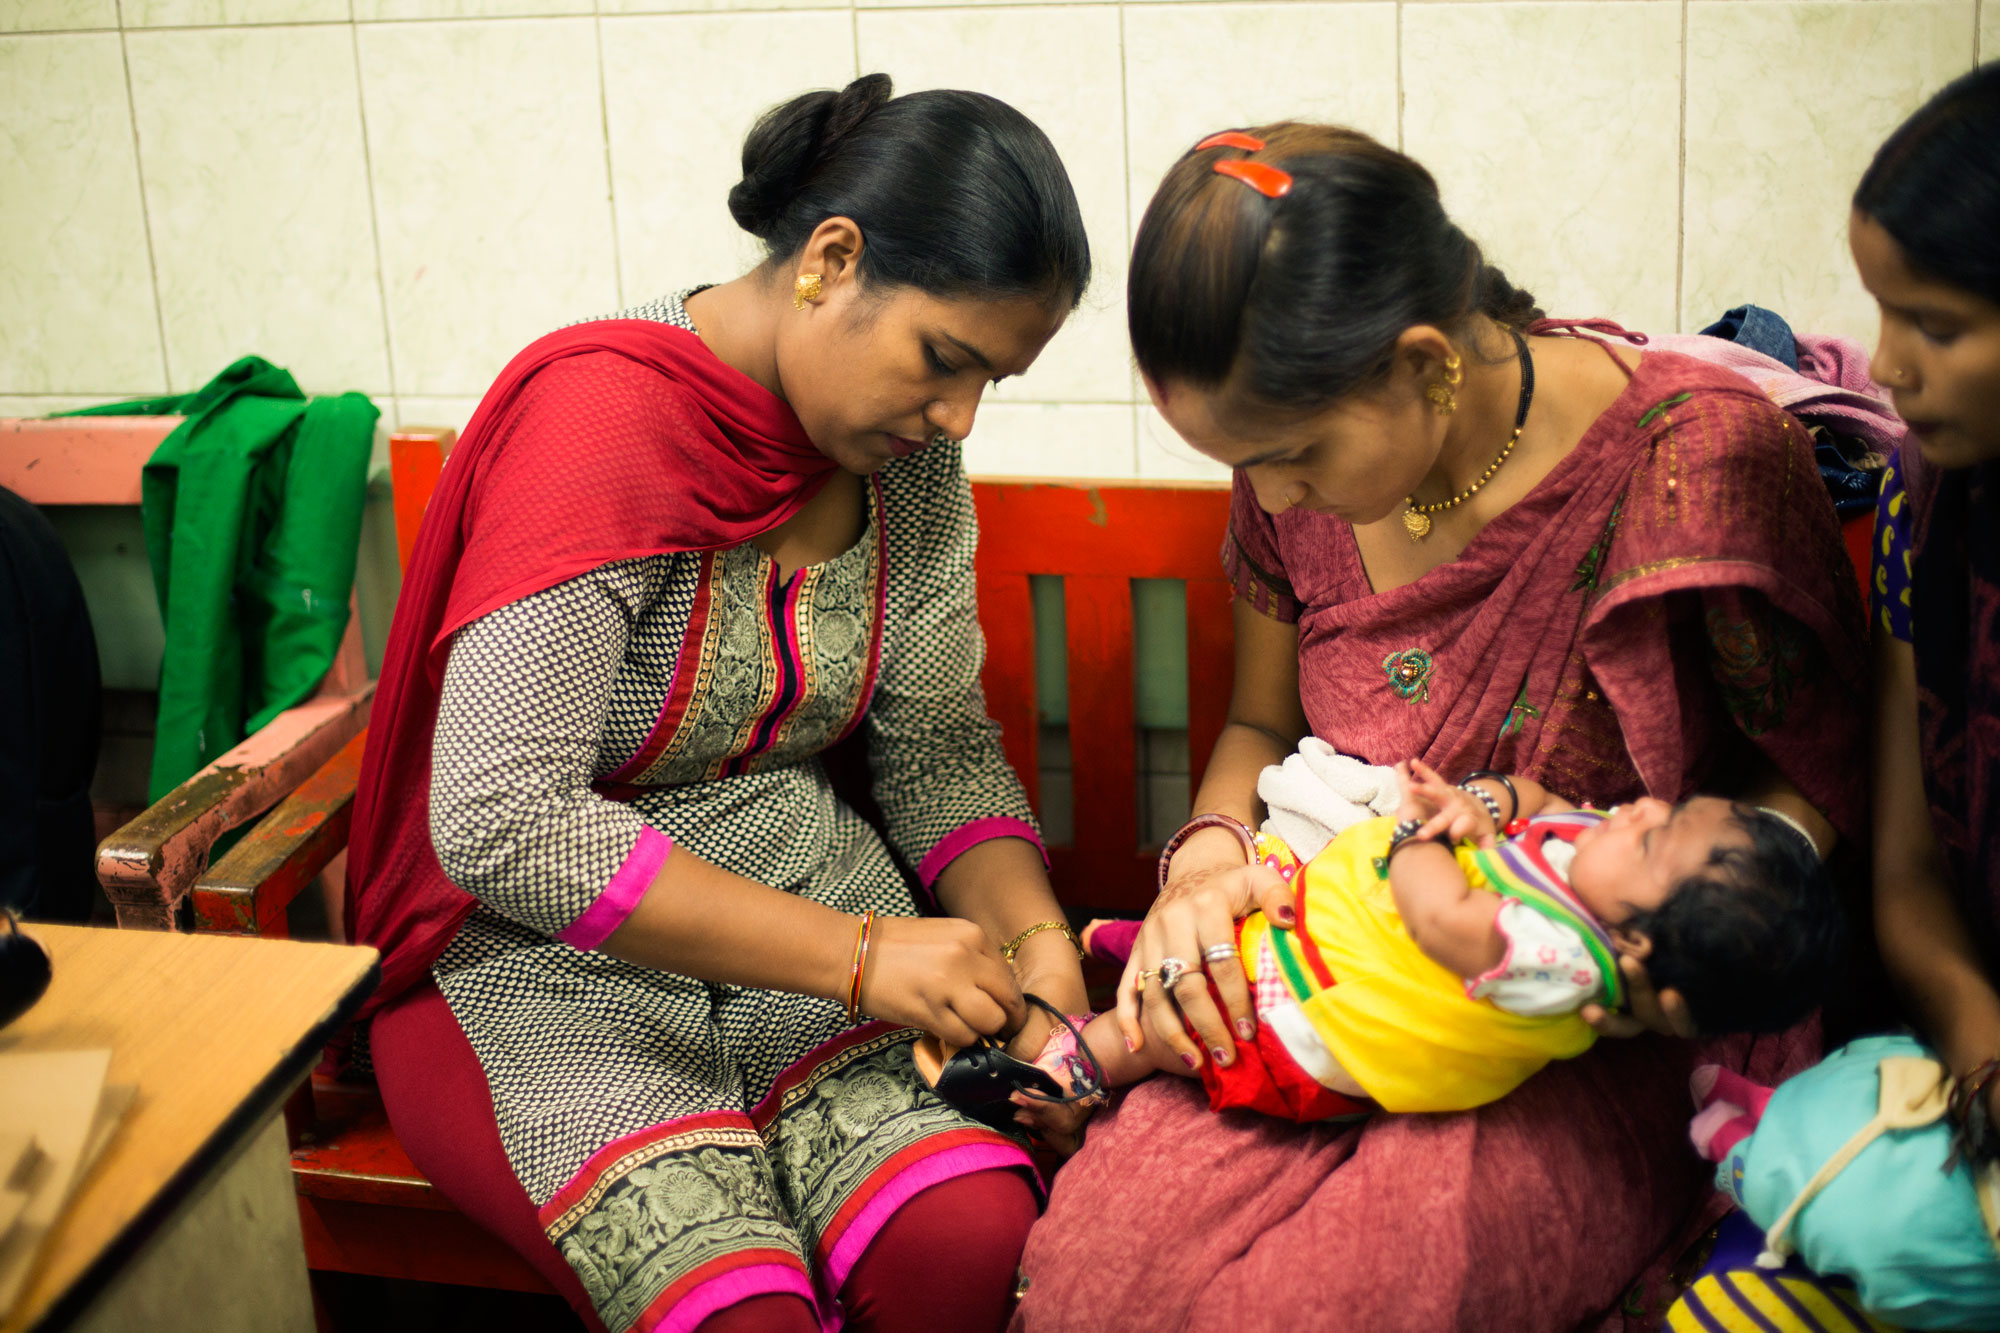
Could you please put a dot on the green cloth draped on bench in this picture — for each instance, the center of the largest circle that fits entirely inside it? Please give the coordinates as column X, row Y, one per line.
column 252, row 510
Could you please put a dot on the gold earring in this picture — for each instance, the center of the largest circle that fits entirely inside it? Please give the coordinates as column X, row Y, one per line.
column 804, row 290
column 1443, row 391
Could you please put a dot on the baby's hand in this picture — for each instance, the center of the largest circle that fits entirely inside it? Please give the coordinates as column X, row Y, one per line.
column 1415, row 804
column 1454, row 814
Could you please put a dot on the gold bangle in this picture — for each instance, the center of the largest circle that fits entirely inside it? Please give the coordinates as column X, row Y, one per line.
column 1013, row 946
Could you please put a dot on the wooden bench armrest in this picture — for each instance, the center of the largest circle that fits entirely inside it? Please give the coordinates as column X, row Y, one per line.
column 248, row 890
column 150, row 865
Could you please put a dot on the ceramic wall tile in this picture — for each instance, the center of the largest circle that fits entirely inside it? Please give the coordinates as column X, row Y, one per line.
column 186, row 13
column 926, row 4
column 1060, row 67
column 493, row 206
column 1775, row 146
column 452, row 412
column 368, row 10
column 19, row 405
column 1574, row 195
column 250, row 150
column 1165, row 456
column 1051, row 440
column 57, row 15
column 675, row 152
column 723, row 6
column 1193, row 69
column 74, row 275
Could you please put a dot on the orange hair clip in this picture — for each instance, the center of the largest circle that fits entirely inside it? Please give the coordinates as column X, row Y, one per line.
column 1262, row 177
column 1231, row 139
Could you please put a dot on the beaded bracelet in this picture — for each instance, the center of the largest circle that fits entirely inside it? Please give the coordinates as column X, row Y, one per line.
column 860, row 965
column 1487, row 799
column 1405, row 835
column 1507, row 783
column 1196, row 825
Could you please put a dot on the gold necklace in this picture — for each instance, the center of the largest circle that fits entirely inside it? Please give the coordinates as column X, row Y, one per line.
column 1417, row 518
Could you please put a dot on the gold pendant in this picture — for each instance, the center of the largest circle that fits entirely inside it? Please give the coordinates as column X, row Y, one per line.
column 1417, row 523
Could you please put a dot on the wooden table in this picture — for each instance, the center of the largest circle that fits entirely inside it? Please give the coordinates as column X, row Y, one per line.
column 188, row 1219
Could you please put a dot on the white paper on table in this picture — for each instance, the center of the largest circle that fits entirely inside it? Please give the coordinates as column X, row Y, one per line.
column 53, row 1097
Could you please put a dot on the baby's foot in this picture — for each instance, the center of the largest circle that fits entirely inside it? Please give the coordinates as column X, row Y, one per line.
column 1110, row 941
column 1730, row 1107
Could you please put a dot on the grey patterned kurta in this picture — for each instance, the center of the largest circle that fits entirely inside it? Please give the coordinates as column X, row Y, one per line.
column 689, row 1144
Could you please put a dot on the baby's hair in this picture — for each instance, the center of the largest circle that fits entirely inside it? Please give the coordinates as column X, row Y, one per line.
column 1753, row 939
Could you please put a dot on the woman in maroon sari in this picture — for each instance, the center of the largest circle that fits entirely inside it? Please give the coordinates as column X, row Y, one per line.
column 1469, row 534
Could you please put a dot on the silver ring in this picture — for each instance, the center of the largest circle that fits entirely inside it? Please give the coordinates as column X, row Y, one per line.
column 1217, row 953
column 1171, row 971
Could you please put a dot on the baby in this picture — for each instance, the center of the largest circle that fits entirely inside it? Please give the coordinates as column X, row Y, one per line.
column 1423, row 975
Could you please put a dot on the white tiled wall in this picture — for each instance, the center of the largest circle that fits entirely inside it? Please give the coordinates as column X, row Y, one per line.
column 395, row 195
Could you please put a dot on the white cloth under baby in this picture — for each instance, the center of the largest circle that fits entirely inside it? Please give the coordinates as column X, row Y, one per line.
column 1318, row 792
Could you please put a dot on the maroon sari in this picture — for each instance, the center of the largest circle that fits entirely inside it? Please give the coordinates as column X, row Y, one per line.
column 1670, row 601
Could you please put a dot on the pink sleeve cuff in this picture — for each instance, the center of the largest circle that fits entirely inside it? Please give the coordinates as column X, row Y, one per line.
column 967, row 836
column 622, row 894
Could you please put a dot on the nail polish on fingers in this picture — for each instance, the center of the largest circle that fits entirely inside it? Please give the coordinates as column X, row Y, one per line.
column 1246, row 1029
column 1220, row 1057
column 1190, row 1059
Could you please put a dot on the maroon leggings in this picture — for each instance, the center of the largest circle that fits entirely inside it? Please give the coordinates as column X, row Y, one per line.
column 438, row 1100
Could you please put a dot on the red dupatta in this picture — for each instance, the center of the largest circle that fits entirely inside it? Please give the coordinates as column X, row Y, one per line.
column 604, row 441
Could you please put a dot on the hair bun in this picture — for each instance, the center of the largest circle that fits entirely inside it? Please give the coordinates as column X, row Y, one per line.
column 1501, row 301
column 790, row 142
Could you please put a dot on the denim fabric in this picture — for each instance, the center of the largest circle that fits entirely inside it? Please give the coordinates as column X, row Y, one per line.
column 1852, row 488
column 1760, row 330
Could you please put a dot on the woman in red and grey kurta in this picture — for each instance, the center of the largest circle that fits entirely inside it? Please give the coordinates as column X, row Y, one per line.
column 1624, row 579
column 682, row 552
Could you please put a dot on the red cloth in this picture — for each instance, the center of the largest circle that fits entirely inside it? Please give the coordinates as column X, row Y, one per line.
column 764, row 1314
column 946, row 1260
column 606, row 441
column 439, row 1101
column 900, row 1286
column 1264, row 1077
column 1671, row 599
